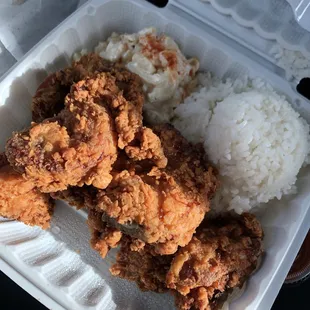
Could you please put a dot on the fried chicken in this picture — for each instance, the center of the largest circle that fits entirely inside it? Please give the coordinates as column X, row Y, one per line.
column 139, row 265
column 126, row 108
column 76, row 147
column 221, row 255
column 49, row 99
column 198, row 299
column 151, row 204
column 20, row 200
column 162, row 207
column 149, row 147
column 50, row 95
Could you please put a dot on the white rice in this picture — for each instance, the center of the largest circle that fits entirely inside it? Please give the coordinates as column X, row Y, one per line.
column 193, row 116
column 251, row 134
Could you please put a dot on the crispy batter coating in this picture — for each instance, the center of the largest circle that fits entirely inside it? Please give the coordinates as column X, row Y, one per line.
column 198, row 299
column 141, row 266
column 125, row 105
column 77, row 147
column 20, row 200
column 50, row 96
column 152, row 204
column 219, row 256
column 187, row 162
column 149, row 148
column 161, row 207
column 153, row 208
column 222, row 255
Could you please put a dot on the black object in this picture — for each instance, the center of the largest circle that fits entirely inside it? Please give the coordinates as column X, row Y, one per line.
column 159, row 3
column 304, row 87
column 13, row 297
column 293, row 297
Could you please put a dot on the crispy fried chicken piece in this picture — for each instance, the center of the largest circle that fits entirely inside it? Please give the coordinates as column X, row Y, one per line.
column 50, row 96
column 152, row 208
column 76, row 147
column 126, row 107
column 161, row 207
column 139, row 265
column 20, row 200
column 222, row 255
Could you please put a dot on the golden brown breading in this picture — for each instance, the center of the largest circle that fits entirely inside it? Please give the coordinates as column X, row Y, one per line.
column 50, row 96
column 141, row 266
column 149, row 148
column 77, row 147
column 153, row 208
column 221, row 256
column 187, row 162
column 161, row 207
column 198, row 299
column 49, row 99
column 20, row 200
column 125, row 105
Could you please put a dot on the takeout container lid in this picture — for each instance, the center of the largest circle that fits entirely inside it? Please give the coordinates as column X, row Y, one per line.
column 260, row 26
column 301, row 10
column 58, row 267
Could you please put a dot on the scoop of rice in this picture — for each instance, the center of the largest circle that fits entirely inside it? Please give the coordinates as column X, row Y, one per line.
column 192, row 117
column 259, row 143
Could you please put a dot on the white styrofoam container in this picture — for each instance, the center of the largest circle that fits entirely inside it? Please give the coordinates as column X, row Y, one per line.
column 57, row 266
column 267, row 27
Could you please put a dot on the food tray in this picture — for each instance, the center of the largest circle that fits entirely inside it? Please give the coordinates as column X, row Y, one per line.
column 57, row 266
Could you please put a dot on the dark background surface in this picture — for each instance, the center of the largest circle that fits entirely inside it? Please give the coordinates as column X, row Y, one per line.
column 12, row 297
